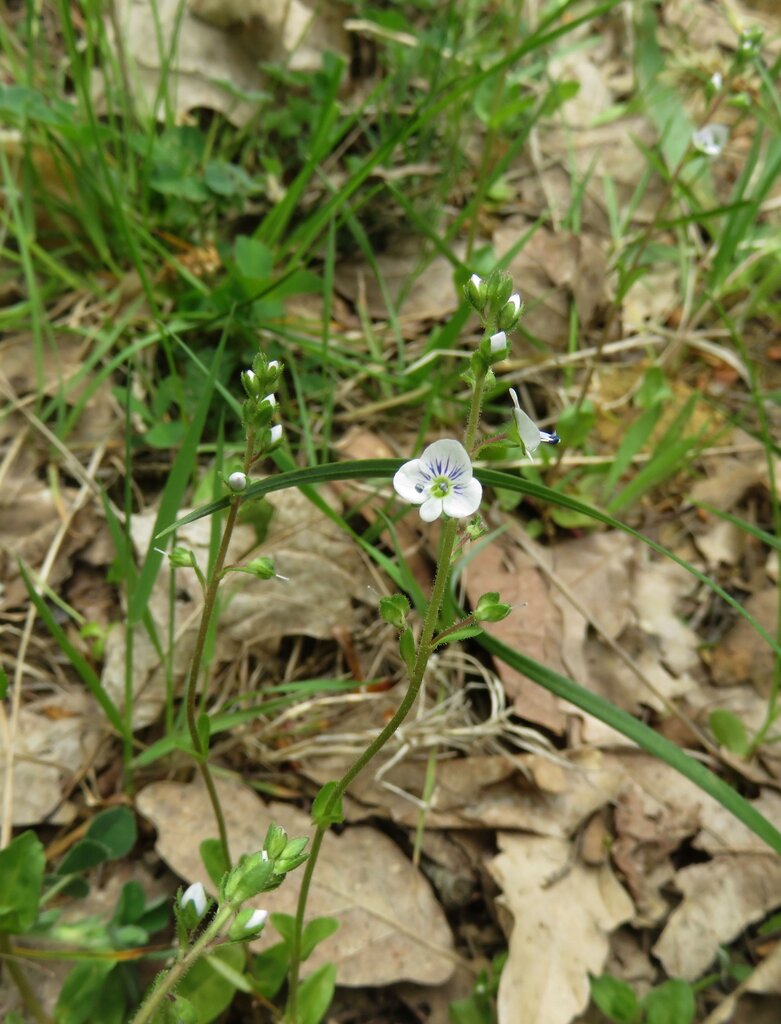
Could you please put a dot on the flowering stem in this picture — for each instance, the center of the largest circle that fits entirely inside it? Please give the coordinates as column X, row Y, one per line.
column 209, row 602
column 167, row 981
column 416, row 678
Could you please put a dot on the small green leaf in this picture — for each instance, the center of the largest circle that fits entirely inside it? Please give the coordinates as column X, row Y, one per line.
column 316, row 993
column 672, row 1002
column 615, row 999
column 459, row 634
column 322, row 814
column 254, row 259
column 82, row 992
column 205, row 985
column 203, row 728
column 85, row 854
column 22, row 865
column 315, row 932
column 213, row 860
column 269, row 969
column 730, row 732
column 285, row 924
column 116, row 829
column 407, row 649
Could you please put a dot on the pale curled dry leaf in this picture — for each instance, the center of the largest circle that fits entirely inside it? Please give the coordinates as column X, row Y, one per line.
column 562, row 918
column 391, row 926
column 480, row 792
column 58, row 737
column 721, row 899
column 533, row 626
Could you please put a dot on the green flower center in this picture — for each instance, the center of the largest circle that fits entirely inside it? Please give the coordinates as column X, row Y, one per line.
column 441, row 487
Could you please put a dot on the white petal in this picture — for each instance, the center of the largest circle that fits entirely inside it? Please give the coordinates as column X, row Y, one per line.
column 431, row 510
column 256, row 919
column 447, row 458
column 410, row 482
column 465, row 501
column 527, row 428
column 515, row 299
column 476, row 281
column 276, row 433
column 498, row 343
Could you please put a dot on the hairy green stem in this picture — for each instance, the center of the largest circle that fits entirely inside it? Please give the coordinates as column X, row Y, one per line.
column 168, row 981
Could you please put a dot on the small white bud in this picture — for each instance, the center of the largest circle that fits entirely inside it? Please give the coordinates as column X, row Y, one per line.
column 250, row 375
column 515, row 300
column 498, row 343
column 237, row 481
column 476, row 280
column 195, row 894
column 273, row 364
column 276, row 433
column 716, row 81
column 271, row 399
column 256, row 920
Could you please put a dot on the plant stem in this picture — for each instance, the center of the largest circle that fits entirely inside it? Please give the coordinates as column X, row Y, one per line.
column 168, row 980
column 425, row 647
column 29, row 998
column 209, row 602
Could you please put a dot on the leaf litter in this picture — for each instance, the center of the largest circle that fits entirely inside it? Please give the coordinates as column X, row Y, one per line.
column 594, row 838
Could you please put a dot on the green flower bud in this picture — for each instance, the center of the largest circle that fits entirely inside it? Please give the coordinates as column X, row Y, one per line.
column 395, row 610
column 275, row 841
column 476, row 292
column 510, row 313
column 182, row 558
column 252, row 875
column 500, row 287
column 252, row 384
column 491, row 609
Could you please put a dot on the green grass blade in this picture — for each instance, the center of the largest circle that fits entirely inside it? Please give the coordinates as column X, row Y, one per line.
column 77, row 660
column 645, row 737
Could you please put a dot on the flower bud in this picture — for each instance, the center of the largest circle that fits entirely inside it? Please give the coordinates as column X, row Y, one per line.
column 195, row 894
column 271, row 399
column 237, row 482
column 248, row 923
column 275, row 841
column 262, row 567
column 500, row 286
column 252, row 875
column 491, row 609
column 251, row 383
column 275, row 434
column 476, row 292
column 394, row 610
column 510, row 313
column 182, row 558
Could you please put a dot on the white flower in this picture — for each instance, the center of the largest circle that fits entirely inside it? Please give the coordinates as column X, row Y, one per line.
column 476, row 281
column 530, row 434
column 237, row 481
column 276, row 434
column 250, row 375
column 256, row 920
column 273, row 364
column 440, row 481
column 711, row 139
column 195, row 894
column 515, row 302
column 498, row 343
column 271, row 399
column 716, row 80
